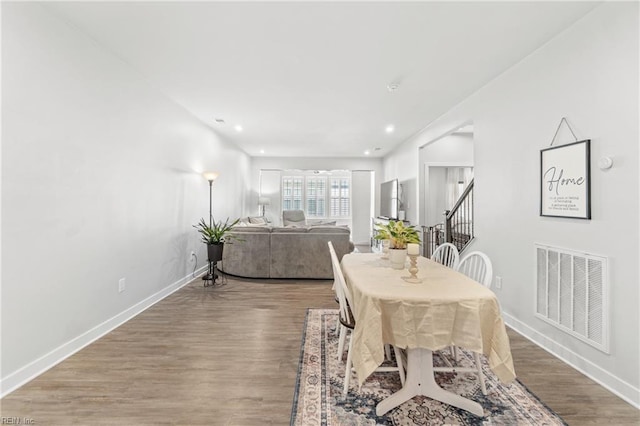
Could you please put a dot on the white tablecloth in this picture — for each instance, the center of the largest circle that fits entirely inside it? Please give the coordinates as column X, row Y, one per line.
column 446, row 308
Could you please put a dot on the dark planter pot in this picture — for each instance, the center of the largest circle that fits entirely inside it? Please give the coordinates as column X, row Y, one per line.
column 215, row 252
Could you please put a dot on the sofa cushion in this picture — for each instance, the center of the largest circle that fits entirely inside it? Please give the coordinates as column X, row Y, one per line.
column 290, row 229
column 251, row 228
column 316, row 222
column 324, row 229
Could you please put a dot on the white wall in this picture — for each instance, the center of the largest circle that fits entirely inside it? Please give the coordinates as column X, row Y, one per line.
column 269, row 186
column 589, row 74
column 448, row 151
column 362, row 184
column 100, row 180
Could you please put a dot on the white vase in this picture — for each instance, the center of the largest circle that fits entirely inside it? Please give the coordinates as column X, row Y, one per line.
column 397, row 258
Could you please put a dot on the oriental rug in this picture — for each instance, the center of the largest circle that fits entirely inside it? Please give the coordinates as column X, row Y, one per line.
column 318, row 395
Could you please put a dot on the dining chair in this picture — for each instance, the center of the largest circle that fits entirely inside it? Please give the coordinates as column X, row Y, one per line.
column 347, row 323
column 477, row 266
column 347, row 317
column 447, row 255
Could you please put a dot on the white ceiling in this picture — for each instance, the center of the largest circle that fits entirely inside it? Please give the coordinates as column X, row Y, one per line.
column 310, row 78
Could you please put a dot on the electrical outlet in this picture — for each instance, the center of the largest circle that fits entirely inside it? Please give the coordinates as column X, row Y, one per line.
column 498, row 282
column 121, row 285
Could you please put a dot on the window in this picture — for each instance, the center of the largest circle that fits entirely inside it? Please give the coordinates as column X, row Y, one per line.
column 316, row 196
column 340, row 197
column 313, row 195
column 292, row 193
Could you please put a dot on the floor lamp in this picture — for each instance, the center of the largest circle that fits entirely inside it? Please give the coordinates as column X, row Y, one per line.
column 210, row 176
column 211, row 274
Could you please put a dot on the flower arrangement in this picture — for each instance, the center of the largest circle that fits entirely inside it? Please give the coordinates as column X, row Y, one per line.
column 398, row 234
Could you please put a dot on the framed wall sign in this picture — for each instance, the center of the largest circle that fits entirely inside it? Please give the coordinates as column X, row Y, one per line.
column 565, row 180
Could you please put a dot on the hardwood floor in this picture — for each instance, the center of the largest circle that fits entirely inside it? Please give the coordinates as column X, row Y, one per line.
column 228, row 355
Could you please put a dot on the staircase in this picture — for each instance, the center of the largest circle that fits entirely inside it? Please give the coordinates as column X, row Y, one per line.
column 457, row 228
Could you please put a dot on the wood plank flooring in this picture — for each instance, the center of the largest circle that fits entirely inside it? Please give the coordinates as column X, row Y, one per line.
column 228, row 355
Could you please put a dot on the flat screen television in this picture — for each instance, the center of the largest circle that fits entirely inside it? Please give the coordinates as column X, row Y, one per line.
column 389, row 199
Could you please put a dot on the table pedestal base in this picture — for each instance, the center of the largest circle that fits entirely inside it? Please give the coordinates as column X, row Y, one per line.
column 420, row 381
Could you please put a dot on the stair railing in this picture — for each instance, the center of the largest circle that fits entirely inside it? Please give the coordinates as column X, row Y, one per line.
column 432, row 237
column 458, row 226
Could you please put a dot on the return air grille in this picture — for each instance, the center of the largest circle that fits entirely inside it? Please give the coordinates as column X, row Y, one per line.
column 572, row 293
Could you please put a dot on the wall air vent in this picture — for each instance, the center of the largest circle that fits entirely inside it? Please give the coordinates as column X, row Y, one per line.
column 572, row 293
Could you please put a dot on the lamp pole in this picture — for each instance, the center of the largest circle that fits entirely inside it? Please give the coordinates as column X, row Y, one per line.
column 210, row 176
column 210, row 203
column 211, row 275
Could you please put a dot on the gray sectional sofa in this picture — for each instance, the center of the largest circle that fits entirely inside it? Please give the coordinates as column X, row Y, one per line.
column 284, row 252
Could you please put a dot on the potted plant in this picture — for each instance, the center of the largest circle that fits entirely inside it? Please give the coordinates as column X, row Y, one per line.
column 399, row 235
column 215, row 235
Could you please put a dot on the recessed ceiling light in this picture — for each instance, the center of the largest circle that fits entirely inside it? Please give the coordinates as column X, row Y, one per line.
column 392, row 87
column 390, row 128
column 367, row 152
column 238, row 128
column 262, row 151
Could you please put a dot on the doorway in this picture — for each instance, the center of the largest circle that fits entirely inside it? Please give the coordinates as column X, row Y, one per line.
column 445, row 186
column 448, row 169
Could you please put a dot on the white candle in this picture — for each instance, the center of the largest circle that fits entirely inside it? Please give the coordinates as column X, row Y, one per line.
column 413, row 249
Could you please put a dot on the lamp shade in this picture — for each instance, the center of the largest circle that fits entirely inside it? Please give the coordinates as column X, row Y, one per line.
column 264, row 201
column 210, row 176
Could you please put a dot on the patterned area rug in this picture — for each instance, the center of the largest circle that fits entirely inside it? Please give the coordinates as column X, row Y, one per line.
column 318, row 397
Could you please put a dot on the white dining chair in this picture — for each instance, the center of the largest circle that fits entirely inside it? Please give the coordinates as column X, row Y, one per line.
column 477, row 266
column 348, row 323
column 447, row 255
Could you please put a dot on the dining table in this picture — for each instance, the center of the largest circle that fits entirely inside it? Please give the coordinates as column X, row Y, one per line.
column 444, row 308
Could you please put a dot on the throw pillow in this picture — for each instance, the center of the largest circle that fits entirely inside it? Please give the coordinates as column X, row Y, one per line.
column 257, row 220
column 320, row 222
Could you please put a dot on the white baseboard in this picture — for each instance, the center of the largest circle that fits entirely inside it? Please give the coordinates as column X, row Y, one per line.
column 614, row 384
column 32, row 370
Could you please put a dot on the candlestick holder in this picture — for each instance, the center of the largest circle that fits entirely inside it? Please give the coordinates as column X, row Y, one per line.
column 385, row 249
column 413, row 270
